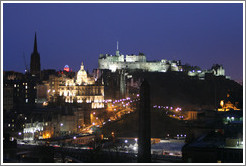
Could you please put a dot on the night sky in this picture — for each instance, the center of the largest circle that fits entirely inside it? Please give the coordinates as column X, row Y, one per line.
column 198, row 34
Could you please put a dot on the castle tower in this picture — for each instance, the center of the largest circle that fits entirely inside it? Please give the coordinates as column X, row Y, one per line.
column 35, row 60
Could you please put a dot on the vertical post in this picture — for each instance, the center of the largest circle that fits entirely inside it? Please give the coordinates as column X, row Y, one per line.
column 144, row 136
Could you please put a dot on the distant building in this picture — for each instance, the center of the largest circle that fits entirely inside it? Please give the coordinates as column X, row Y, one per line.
column 216, row 70
column 66, row 68
column 33, row 131
column 80, row 89
column 19, row 92
column 83, row 90
column 46, row 73
column 139, row 62
column 135, row 62
column 192, row 115
column 42, row 95
column 8, row 97
column 227, row 105
column 35, row 60
column 12, row 75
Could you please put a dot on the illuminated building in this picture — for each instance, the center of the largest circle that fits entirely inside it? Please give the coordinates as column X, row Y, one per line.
column 81, row 89
column 192, row 115
column 66, row 68
column 216, row 70
column 119, row 61
column 139, row 62
column 227, row 106
column 33, row 130
column 82, row 78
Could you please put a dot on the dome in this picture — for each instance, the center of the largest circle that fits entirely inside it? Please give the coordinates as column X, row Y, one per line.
column 81, row 75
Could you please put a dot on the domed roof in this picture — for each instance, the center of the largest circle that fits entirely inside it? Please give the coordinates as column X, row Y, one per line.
column 81, row 75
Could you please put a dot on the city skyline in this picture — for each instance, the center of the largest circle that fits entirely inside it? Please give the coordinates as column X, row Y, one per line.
column 198, row 34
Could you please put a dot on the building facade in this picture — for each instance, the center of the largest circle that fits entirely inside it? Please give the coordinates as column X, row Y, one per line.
column 139, row 62
column 83, row 90
column 80, row 89
column 136, row 62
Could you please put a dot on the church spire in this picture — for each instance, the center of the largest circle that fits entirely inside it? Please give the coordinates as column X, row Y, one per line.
column 35, row 49
column 35, row 59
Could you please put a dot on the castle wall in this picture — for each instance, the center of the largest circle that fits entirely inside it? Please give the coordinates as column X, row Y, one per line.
column 158, row 66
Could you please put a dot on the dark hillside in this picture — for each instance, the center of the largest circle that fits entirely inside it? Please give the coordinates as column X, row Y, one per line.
column 178, row 89
column 161, row 125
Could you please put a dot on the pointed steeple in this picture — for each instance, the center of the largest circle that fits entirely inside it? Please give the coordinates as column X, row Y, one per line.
column 35, row 49
column 35, row 59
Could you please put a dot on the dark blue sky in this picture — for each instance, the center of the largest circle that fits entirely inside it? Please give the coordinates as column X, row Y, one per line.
column 198, row 34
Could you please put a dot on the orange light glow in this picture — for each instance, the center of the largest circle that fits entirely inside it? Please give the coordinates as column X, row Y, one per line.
column 47, row 135
column 222, row 103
